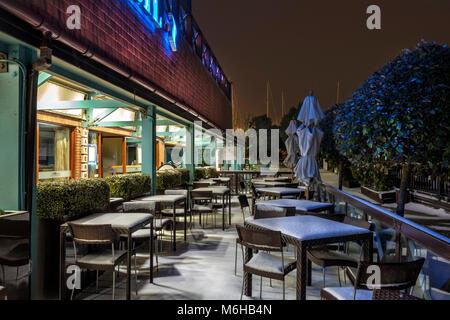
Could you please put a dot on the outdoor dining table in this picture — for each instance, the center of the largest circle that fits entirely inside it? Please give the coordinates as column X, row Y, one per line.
column 270, row 184
column 281, row 192
column 278, row 179
column 301, row 206
column 222, row 192
column 305, row 232
column 122, row 224
column 173, row 201
column 224, row 180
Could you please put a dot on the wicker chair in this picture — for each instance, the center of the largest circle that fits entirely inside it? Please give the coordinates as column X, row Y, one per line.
column 265, row 212
column 328, row 256
column 179, row 211
column 102, row 260
column 263, row 263
column 17, row 232
column 3, row 293
column 392, row 276
column 198, row 185
column 201, row 202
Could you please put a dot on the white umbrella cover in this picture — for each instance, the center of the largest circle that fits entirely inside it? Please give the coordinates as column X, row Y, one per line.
column 311, row 112
column 291, row 145
column 307, row 168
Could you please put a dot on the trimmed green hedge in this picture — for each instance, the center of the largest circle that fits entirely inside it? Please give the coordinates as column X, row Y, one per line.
column 129, row 186
column 64, row 200
column 206, row 173
column 169, row 179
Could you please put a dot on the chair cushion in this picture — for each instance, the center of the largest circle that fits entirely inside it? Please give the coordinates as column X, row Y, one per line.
column 330, row 258
column 202, row 208
column 169, row 212
column 17, row 256
column 269, row 263
column 143, row 234
column 158, row 224
column 345, row 293
column 101, row 260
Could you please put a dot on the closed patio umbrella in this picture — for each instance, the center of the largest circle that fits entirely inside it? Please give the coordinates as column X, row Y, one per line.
column 309, row 139
column 291, row 145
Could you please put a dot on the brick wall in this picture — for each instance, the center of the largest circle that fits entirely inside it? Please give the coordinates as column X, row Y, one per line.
column 76, row 153
column 115, row 31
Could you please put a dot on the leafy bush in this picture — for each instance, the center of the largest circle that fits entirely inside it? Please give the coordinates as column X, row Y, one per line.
column 61, row 201
column 374, row 179
column 129, row 186
column 169, row 179
column 185, row 175
column 401, row 114
column 206, row 173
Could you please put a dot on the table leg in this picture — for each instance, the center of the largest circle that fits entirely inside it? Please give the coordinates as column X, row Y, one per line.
column 368, row 249
column 185, row 221
column 62, row 263
column 248, row 276
column 174, row 231
column 229, row 208
column 129, row 248
column 301, row 272
column 223, row 212
column 151, row 251
column 309, row 273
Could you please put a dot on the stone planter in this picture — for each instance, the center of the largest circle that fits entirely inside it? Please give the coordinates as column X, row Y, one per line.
column 379, row 196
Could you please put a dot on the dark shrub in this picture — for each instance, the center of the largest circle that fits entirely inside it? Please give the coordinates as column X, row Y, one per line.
column 129, row 186
column 62, row 201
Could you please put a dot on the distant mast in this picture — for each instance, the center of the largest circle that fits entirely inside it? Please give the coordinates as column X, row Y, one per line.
column 267, row 99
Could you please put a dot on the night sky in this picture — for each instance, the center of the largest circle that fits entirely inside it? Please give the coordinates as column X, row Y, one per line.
column 298, row 45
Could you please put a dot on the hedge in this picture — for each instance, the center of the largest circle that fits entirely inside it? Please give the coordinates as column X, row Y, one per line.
column 206, row 173
column 72, row 199
column 129, row 186
column 169, row 179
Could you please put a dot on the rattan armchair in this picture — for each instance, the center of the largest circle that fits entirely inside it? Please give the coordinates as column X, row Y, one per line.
column 17, row 254
column 201, row 202
column 263, row 263
column 371, row 276
column 103, row 259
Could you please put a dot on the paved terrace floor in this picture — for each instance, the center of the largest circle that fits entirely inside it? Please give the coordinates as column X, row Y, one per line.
column 202, row 269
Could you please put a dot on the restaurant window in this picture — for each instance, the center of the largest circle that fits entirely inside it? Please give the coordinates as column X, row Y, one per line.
column 93, row 155
column 134, row 157
column 54, row 152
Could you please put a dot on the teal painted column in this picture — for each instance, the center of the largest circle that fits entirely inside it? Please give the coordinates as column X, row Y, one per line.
column 12, row 131
column 190, row 148
column 149, row 146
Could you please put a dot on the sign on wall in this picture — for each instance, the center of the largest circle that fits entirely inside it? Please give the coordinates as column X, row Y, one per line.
column 162, row 20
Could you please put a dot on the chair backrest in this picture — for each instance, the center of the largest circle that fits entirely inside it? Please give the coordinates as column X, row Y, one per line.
column 14, row 229
column 198, row 185
column 254, row 192
column 392, row 276
column 358, row 223
column 201, row 196
column 267, row 212
column 91, row 234
column 260, row 240
column 243, row 201
column 176, row 193
column 242, row 185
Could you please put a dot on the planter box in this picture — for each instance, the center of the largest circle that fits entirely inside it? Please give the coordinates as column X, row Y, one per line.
column 12, row 214
column 380, row 196
column 397, row 196
column 350, row 183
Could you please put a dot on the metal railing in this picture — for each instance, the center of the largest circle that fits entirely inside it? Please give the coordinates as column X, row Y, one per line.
column 397, row 238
